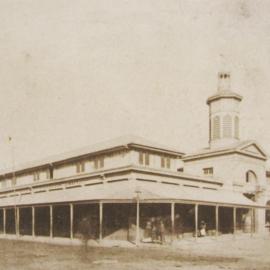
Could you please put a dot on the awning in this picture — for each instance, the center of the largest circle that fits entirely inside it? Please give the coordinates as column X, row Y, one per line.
column 128, row 190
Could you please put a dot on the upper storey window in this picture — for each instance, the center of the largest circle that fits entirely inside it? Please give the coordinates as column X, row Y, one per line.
column 99, row 162
column 251, row 177
column 14, row 181
column 165, row 162
column 216, row 127
column 80, row 167
column 208, row 171
column 43, row 174
column 49, row 173
column 36, row 176
column 236, row 127
column 144, row 158
column 4, row 183
column 227, row 126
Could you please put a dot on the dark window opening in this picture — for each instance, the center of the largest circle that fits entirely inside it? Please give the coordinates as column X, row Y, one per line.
column 42, row 221
column 10, row 221
column 1, row 221
column 25, row 224
column 86, row 220
column 61, row 220
column 208, row 171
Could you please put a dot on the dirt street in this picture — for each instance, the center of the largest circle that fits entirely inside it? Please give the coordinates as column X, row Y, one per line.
column 228, row 253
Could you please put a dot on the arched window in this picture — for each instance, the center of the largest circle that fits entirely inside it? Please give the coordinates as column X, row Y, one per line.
column 227, row 126
column 216, row 127
column 236, row 127
column 251, row 177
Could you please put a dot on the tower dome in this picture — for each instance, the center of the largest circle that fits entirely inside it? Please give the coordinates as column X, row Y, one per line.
column 224, row 115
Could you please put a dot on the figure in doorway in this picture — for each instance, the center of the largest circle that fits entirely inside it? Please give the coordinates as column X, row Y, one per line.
column 154, row 230
column 178, row 226
column 202, row 231
column 148, row 232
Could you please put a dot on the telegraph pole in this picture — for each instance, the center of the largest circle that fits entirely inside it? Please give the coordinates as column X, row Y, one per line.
column 13, row 183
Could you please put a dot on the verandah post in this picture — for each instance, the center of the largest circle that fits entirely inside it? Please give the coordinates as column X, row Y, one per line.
column 71, row 220
column 252, row 223
column 51, row 221
column 33, row 221
column 137, row 222
column 217, row 225
column 137, row 191
column 17, row 221
column 172, row 219
column 100, row 220
column 234, row 221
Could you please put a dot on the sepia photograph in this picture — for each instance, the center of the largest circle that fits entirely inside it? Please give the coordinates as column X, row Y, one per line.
column 134, row 135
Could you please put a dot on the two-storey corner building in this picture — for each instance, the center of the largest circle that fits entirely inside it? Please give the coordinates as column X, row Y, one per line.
column 135, row 190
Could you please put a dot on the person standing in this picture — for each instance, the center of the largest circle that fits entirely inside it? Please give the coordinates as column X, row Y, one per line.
column 85, row 231
column 162, row 231
column 178, row 226
column 202, row 229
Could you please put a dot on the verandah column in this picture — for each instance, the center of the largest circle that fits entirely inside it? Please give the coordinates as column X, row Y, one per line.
column 17, row 221
column 71, row 220
column 196, row 221
column 172, row 219
column 33, row 221
column 217, row 224
column 234, row 221
column 137, row 221
column 252, row 223
column 51, row 221
column 100, row 220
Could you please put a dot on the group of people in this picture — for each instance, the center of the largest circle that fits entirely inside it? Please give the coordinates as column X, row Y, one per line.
column 154, row 230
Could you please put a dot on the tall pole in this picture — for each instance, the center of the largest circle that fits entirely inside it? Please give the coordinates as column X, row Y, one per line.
column 10, row 140
column 100, row 220
column 13, row 183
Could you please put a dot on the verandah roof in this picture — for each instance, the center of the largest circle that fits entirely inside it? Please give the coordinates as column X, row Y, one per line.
column 126, row 190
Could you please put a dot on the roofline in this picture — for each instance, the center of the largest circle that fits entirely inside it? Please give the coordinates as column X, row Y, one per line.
column 156, row 149
column 220, row 153
column 223, row 95
column 47, row 165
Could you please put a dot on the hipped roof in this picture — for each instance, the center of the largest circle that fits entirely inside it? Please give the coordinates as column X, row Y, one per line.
column 95, row 149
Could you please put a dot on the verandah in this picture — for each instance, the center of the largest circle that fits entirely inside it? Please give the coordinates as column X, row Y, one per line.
column 128, row 220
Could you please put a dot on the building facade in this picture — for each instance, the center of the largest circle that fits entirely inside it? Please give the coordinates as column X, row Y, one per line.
column 134, row 190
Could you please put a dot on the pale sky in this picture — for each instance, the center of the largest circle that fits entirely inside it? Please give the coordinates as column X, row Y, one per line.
column 73, row 73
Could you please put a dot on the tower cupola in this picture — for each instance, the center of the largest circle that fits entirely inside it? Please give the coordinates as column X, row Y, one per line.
column 224, row 114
